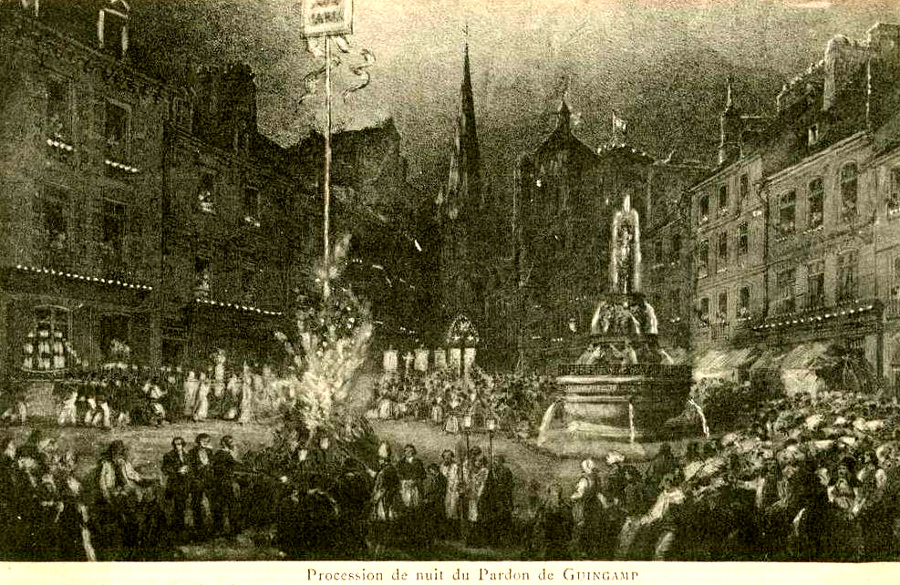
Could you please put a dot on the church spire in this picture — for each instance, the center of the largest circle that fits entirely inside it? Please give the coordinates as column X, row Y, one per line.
column 464, row 185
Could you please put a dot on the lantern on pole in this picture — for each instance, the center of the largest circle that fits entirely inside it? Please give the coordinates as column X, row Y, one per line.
column 491, row 424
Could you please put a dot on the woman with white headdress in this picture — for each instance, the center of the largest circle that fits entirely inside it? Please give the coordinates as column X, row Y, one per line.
column 584, row 504
column 385, row 498
column 246, row 395
column 201, row 408
column 191, row 388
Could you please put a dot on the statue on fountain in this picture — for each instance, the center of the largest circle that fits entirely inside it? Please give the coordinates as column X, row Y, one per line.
column 624, row 317
column 624, row 386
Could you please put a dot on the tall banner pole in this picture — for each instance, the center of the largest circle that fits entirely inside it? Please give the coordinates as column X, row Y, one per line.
column 326, row 288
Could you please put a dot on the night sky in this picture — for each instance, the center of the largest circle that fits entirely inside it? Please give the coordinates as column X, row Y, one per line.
column 661, row 64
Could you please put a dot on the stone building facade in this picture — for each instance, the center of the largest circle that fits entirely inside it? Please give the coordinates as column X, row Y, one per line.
column 135, row 212
column 820, row 238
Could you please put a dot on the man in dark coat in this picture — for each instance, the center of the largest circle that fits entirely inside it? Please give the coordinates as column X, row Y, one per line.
column 200, row 459
column 226, row 491
column 502, row 479
column 176, row 468
column 434, row 495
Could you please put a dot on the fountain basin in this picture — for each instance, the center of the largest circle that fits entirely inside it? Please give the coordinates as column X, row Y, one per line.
column 618, row 403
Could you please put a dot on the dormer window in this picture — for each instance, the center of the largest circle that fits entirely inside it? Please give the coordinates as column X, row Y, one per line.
column 112, row 27
column 813, row 135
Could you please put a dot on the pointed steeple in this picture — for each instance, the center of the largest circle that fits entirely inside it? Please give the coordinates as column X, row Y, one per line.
column 464, row 186
column 564, row 115
column 730, row 128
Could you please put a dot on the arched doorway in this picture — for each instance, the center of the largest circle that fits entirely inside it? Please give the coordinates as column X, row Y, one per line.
column 462, row 343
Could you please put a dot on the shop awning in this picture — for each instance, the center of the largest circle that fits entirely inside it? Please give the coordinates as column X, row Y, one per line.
column 770, row 359
column 804, row 356
column 717, row 362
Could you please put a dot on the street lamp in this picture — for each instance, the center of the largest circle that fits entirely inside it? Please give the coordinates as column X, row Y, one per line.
column 491, row 424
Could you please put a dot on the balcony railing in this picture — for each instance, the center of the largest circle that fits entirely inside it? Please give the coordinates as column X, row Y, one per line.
column 720, row 331
column 652, row 370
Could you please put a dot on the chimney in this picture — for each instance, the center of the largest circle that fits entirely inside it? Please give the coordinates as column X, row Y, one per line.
column 843, row 61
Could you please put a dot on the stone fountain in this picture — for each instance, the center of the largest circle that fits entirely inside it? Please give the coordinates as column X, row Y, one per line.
column 624, row 386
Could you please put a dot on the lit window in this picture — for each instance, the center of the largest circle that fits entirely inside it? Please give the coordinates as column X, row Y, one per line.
column 743, row 310
column 893, row 201
column 722, row 314
column 201, row 277
column 785, row 284
column 849, row 187
column 816, row 203
column 722, row 263
column 848, row 277
column 116, row 129
column 46, row 345
column 723, row 199
column 815, row 284
column 703, row 209
column 251, row 204
column 59, row 111
column 703, row 259
column 786, row 213
column 206, row 192
column 743, row 240
column 51, row 228
column 813, row 134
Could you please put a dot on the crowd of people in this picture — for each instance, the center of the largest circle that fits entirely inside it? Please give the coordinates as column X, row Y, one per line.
column 120, row 394
column 515, row 402
column 708, row 504
column 116, row 512
column 400, row 502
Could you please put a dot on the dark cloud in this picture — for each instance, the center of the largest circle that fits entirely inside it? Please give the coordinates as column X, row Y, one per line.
column 662, row 64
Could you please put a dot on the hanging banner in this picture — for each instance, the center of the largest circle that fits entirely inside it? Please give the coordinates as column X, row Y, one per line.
column 319, row 18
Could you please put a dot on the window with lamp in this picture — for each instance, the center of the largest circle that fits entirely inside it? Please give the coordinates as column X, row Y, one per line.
column 722, row 261
column 785, row 285
column 723, row 200
column 894, row 307
column 116, row 129
column 816, row 203
column 722, row 313
column 703, row 209
column 743, row 243
column 743, row 308
column 251, row 205
column 815, row 284
column 703, row 312
column 45, row 348
column 51, row 227
column 59, row 109
column 786, row 214
column 849, row 191
column 893, row 198
column 206, row 192
column 848, row 276
column 703, row 259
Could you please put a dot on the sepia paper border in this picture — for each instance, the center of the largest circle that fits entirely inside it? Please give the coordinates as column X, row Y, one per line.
column 600, row 572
